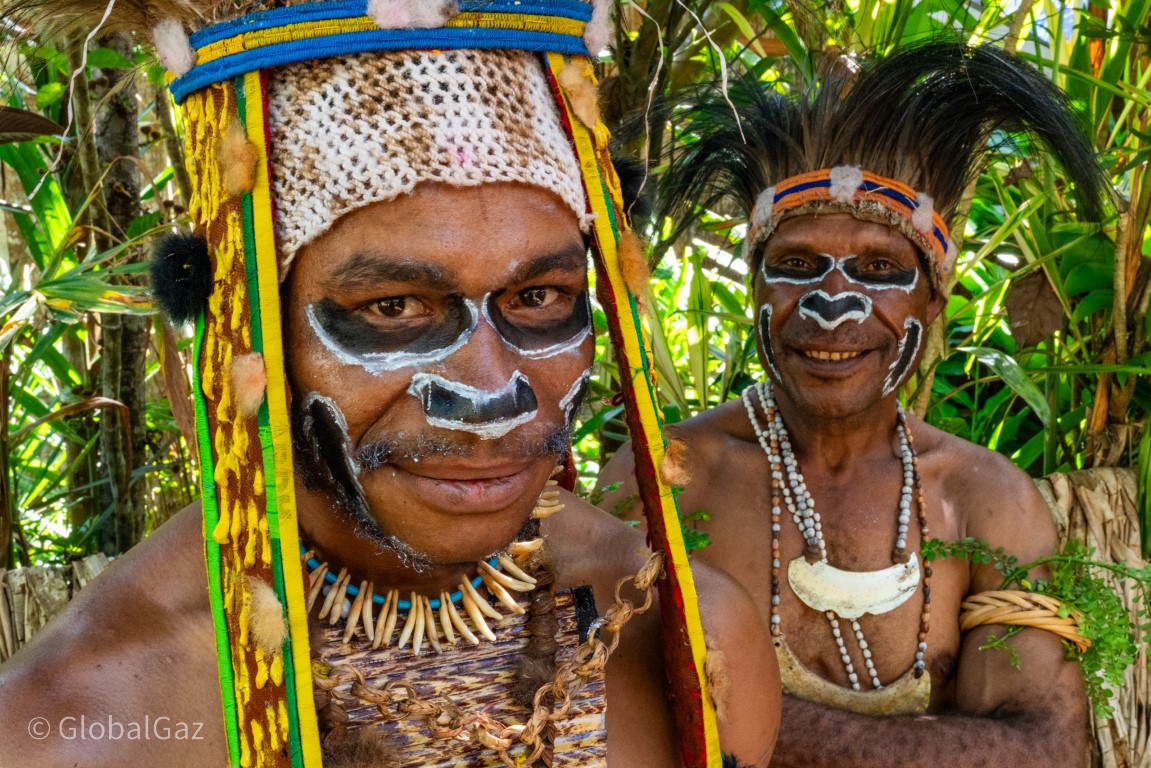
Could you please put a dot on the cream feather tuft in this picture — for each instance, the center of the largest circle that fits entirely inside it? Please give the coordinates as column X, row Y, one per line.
column 173, row 47
column 405, row 14
column 249, row 381
column 268, row 627
column 597, row 35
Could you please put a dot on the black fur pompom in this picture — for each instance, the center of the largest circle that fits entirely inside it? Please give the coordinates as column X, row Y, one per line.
column 632, row 177
column 181, row 275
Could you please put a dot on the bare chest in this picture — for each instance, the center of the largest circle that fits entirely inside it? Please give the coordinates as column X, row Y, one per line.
column 859, row 528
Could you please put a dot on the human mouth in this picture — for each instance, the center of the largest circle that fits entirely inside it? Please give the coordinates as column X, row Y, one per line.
column 821, row 354
column 464, row 489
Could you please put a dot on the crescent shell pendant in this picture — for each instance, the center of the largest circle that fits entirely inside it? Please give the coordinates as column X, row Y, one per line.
column 851, row 594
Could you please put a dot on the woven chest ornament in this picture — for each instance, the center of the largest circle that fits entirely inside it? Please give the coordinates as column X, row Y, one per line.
column 258, row 84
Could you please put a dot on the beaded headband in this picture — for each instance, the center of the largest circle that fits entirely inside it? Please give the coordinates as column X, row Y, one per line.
column 229, row 78
column 864, row 195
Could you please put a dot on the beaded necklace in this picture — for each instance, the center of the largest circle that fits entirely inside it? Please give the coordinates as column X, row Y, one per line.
column 428, row 617
column 794, row 495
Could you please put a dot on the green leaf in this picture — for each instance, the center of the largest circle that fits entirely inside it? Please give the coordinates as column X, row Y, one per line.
column 1013, row 375
column 141, row 225
column 49, row 94
column 106, row 58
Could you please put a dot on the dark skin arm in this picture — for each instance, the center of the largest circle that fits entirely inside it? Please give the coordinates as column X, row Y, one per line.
column 82, row 664
column 743, row 665
column 997, row 715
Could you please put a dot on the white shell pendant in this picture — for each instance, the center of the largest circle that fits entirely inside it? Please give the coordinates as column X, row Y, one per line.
column 851, row 594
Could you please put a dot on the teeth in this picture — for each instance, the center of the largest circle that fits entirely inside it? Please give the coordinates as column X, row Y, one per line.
column 821, row 355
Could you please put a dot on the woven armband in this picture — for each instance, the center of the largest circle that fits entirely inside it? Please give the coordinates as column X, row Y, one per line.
column 1014, row 607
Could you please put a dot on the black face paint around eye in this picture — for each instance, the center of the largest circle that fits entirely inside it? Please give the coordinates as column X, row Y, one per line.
column 355, row 334
column 824, row 264
column 833, row 311
column 903, row 279
column 491, row 415
column 545, row 341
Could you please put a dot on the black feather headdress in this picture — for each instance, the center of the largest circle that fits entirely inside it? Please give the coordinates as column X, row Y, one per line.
column 923, row 116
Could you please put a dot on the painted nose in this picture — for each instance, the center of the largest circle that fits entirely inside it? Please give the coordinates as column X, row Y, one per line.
column 489, row 414
column 832, row 311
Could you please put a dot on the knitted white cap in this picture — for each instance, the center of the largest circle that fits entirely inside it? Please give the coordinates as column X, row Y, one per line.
column 355, row 130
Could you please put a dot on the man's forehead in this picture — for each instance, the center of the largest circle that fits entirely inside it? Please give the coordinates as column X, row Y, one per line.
column 373, row 265
column 839, row 234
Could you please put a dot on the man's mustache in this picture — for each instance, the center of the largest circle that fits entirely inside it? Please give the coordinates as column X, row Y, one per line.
column 414, row 448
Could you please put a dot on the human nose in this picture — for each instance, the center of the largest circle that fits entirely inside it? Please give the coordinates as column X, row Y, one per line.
column 482, row 391
column 833, row 303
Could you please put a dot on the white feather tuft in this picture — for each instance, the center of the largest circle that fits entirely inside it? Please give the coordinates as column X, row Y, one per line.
column 921, row 219
column 410, row 14
column 845, row 181
column 597, row 35
column 764, row 205
column 173, row 47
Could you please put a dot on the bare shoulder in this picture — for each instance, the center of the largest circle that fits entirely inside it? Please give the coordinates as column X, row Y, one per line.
column 710, row 439
column 127, row 670
column 993, row 499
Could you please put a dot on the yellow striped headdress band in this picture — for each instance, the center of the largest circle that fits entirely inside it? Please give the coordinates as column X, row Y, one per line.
column 865, row 195
column 280, row 36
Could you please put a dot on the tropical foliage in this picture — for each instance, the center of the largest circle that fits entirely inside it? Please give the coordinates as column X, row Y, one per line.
column 1043, row 353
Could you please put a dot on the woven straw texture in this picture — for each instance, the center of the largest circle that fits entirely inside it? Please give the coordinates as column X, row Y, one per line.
column 1098, row 508
column 350, row 131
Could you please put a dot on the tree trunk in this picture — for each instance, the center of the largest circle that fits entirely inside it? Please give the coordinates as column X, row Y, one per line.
column 124, row 339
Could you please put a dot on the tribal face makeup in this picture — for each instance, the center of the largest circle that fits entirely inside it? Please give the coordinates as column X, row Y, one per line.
column 456, row 348
column 842, row 305
column 354, row 339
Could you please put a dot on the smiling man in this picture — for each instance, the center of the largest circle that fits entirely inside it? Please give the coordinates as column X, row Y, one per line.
column 393, row 338
column 819, row 488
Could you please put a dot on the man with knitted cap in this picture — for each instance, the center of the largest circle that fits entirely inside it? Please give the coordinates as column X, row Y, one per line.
column 393, row 335
column 820, row 489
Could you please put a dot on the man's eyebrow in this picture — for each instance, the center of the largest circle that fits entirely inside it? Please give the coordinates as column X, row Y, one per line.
column 365, row 270
column 571, row 258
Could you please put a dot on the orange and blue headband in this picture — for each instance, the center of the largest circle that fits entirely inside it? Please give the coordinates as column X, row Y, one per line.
column 863, row 194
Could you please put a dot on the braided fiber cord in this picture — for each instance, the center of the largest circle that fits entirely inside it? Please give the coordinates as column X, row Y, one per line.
column 397, row 700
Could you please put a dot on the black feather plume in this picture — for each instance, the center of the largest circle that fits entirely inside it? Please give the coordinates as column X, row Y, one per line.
column 636, row 184
column 181, row 273
column 924, row 115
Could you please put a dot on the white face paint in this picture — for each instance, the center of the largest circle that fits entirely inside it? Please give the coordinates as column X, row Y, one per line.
column 833, row 311
column 829, row 264
column 490, row 415
column 765, row 339
column 451, row 404
column 909, row 346
column 568, row 401
column 560, row 348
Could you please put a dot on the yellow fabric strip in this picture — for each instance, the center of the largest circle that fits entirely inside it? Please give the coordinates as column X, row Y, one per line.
column 269, row 282
column 635, row 345
column 309, row 30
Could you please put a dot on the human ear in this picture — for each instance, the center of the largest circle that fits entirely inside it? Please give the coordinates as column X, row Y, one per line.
column 936, row 305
